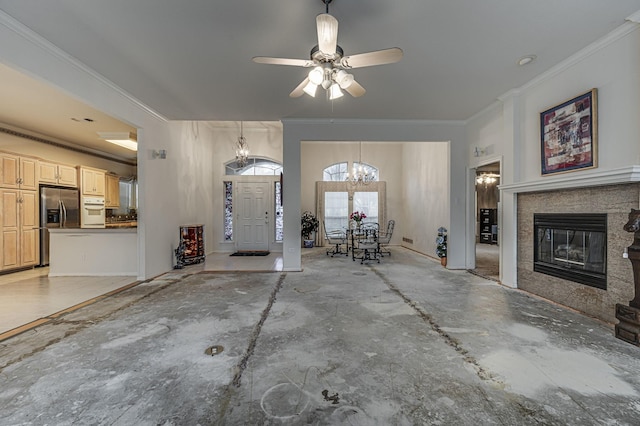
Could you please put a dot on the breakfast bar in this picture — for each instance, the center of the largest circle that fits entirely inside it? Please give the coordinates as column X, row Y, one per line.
column 94, row 252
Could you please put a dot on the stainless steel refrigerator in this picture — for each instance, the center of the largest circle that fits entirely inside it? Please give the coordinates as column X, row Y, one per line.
column 59, row 208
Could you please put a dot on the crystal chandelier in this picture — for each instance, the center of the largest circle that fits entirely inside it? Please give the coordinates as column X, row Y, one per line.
column 242, row 149
column 361, row 174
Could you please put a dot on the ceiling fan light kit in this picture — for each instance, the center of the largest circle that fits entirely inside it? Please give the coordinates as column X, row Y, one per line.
column 329, row 63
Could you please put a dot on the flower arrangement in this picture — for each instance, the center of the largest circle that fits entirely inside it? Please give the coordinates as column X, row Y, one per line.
column 309, row 224
column 441, row 242
column 357, row 216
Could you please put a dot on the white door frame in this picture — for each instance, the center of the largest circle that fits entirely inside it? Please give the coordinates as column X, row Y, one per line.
column 257, row 221
column 471, row 214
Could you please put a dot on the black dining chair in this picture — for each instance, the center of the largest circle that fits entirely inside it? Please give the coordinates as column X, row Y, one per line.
column 384, row 237
column 337, row 239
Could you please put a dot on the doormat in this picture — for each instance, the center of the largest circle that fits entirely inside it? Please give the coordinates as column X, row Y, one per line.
column 250, row 253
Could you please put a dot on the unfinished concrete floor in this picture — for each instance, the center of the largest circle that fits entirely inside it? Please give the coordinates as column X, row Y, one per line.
column 403, row 342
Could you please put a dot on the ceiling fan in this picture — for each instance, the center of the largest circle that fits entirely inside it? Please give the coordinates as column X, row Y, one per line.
column 328, row 63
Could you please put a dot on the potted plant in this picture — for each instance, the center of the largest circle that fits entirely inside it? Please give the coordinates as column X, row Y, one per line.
column 310, row 224
column 441, row 245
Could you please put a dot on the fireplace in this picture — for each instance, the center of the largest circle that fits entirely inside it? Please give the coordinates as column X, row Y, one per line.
column 572, row 247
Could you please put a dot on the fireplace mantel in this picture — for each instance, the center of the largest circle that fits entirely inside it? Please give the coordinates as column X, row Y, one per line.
column 577, row 180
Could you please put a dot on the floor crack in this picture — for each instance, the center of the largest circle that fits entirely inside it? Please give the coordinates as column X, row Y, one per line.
column 256, row 333
column 451, row 341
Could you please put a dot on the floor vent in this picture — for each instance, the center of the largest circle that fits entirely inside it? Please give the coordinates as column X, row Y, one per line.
column 407, row 240
column 214, row 350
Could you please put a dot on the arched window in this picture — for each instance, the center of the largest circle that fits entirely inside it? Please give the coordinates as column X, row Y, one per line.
column 339, row 172
column 335, row 173
column 255, row 167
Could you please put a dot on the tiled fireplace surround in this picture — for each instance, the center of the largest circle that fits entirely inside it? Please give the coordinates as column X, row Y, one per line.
column 614, row 200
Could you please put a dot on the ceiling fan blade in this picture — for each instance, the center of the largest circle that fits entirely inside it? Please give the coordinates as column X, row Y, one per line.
column 299, row 91
column 327, row 33
column 355, row 89
column 282, row 61
column 379, row 57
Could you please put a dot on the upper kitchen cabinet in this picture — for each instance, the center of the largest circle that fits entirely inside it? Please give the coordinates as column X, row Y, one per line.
column 58, row 174
column 18, row 172
column 92, row 181
column 112, row 193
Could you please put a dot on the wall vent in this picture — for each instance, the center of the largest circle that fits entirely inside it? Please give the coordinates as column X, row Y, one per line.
column 407, row 240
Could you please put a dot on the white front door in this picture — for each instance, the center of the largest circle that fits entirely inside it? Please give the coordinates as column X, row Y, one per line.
column 252, row 216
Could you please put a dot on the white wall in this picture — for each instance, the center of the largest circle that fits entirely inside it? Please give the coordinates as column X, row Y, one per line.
column 425, row 194
column 612, row 66
column 615, row 71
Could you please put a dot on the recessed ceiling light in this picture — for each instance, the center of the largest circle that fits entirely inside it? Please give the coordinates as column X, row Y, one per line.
column 124, row 139
column 526, row 60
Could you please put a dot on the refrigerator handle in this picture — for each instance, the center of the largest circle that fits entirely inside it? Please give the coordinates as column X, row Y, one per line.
column 64, row 214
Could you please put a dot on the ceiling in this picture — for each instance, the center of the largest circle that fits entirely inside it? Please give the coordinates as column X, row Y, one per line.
column 192, row 60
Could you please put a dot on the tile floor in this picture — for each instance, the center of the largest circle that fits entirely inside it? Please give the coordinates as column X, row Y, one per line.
column 29, row 298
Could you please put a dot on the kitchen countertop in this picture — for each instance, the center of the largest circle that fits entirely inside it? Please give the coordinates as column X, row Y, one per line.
column 130, row 224
column 84, row 231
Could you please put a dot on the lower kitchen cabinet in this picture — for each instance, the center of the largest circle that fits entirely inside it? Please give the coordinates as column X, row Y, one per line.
column 19, row 236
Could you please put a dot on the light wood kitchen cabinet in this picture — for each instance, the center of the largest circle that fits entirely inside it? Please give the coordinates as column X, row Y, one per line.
column 18, row 172
column 112, row 192
column 92, row 181
column 57, row 174
column 19, row 237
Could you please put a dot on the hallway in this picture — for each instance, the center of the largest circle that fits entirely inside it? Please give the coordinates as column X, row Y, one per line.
column 402, row 342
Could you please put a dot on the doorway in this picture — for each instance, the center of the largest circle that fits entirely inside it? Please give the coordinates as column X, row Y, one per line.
column 252, row 218
column 487, row 213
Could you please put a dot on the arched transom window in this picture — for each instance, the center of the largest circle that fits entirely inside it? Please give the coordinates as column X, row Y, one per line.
column 339, row 172
column 255, row 167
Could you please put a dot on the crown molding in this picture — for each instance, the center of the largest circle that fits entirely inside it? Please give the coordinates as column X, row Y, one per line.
column 629, row 174
column 634, row 17
column 615, row 35
column 372, row 121
column 32, row 37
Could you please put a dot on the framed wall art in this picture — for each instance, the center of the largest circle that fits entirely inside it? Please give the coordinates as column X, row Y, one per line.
column 569, row 137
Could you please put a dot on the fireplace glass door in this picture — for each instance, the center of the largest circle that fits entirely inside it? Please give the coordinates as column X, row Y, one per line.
column 572, row 247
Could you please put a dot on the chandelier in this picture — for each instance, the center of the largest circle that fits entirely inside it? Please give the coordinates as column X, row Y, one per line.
column 487, row 179
column 242, row 149
column 361, row 174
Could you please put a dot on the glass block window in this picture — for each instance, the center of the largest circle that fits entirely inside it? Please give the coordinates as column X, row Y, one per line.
column 279, row 212
column 255, row 167
column 228, row 211
column 335, row 173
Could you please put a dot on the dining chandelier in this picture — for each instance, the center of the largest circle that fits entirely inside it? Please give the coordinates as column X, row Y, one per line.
column 242, row 149
column 361, row 173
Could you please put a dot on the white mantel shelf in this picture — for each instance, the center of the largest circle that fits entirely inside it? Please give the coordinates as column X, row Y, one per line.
column 576, row 179
column 93, row 252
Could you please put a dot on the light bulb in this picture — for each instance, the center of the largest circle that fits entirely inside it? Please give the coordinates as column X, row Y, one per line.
column 335, row 92
column 316, row 75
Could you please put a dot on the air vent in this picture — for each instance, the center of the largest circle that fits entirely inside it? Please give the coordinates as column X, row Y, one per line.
column 407, row 240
